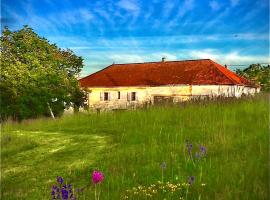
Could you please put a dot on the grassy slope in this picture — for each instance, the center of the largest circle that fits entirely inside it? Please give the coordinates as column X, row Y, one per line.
column 130, row 146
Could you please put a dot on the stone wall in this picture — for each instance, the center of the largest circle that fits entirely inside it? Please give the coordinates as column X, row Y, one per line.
column 149, row 95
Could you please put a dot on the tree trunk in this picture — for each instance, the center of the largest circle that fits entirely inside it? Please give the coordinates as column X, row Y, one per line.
column 75, row 108
column 51, row 112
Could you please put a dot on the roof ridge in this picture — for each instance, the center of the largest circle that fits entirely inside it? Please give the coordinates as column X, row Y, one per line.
column 163, row 62
column 216, row 66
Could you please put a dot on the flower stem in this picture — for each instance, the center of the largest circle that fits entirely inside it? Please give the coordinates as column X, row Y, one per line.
column 95, row 192
column 186, row 194
column 162, row 175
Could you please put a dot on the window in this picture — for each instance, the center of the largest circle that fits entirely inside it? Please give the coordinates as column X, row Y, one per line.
column 133, row 96
column 106, row 96
column 119, row 95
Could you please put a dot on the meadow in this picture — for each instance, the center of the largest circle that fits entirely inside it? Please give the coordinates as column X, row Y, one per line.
column 129, row 147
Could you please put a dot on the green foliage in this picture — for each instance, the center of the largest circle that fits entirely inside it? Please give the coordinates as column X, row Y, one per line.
column 129, row 148
column 35, row 73
column 257, row 73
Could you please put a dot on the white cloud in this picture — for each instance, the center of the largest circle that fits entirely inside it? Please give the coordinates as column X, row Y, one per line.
column 129, row 5
column 214, row 21
column 85, row 14
column 234, row 2
column 233, row 57
column 101, row 12
column 132, row 9
column 72, row 17
column 140, row 57
column 126, row 58
column 167, row 8
column 214, row 5
column 250, row 36
column 157, row 42
column 187, row 6
column 101, row 59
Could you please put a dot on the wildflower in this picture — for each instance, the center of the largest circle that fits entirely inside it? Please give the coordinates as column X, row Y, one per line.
column 203, row 184
column 64, row 193
column 191, row 180
column 197, row 155
column 203, row 150
column 54, row 192
column 97, row 177
column 58, row 196
column 163, row 165
column 60, row 179
column 189, row 148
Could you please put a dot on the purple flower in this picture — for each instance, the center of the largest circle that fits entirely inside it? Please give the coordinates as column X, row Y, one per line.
column 197, row 155
column 64, row 193
column 60, row 179
column 191, row 180
column 163, row 165
column 189, row 148
column 55, row 189
column 203, row 149
column 97, row 177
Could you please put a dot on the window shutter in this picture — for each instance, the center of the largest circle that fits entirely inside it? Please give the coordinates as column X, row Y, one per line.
column 128, row 96
column 101, row 96
column 109, row 96
column 136, row 96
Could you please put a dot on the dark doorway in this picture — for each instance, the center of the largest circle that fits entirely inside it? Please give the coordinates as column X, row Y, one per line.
column 160, row 100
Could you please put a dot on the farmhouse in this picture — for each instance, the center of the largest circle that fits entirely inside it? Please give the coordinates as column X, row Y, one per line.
column 136, row 84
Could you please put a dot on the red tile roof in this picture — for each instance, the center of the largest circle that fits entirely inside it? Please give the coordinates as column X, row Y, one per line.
column 192, row 72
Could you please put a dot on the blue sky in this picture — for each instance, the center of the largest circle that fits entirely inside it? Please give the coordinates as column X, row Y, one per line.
column 121, row 31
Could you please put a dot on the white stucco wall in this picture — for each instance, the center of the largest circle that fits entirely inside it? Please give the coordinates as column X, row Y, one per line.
column 145, row 95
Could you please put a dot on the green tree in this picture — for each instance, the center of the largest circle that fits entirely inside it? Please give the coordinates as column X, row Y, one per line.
column 257, row 73
column 36, row 76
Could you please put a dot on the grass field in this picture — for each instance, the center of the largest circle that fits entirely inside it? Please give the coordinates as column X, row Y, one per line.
column 130, row 146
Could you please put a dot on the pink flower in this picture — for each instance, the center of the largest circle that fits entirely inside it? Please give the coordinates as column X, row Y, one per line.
column 97, row 177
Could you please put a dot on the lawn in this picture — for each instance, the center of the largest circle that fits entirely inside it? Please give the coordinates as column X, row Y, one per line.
column 130, row 146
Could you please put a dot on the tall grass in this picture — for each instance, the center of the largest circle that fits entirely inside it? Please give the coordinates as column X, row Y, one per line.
column 130, row 146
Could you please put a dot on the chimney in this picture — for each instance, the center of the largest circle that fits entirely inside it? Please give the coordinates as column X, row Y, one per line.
column 163, row 59
column 225, row 66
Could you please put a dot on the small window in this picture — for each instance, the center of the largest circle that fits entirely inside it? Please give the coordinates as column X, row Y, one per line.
column 133, row 96
column 106, row 96
column 119, row 95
